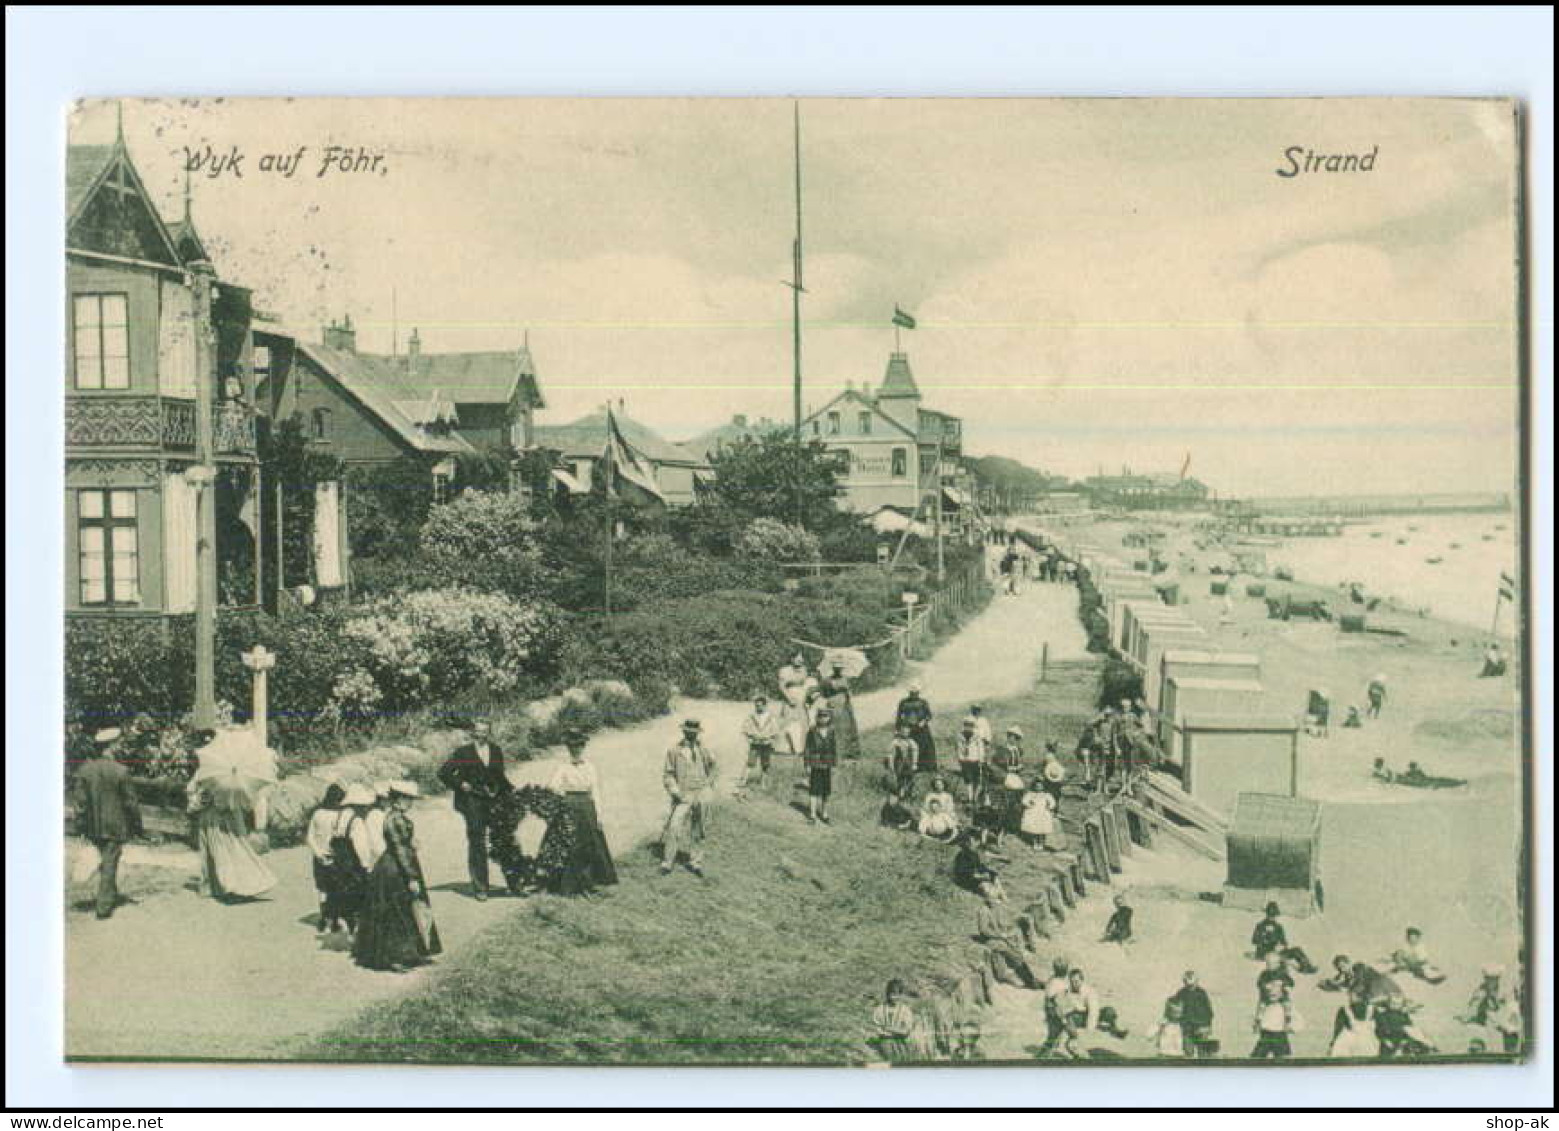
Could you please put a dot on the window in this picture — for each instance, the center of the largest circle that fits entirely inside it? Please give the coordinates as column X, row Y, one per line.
column 833, row 424
column 102, row 342
column 109, row 553
column 321, row 419
column 816, row 429
column 864, row 420
column 900, row 463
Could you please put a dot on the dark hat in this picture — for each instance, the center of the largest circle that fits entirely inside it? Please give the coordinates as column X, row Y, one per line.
column 1273, row 909
column 692, row 725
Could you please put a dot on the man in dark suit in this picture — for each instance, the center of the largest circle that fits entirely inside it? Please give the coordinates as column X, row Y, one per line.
column 107, row 813
column 474, row 774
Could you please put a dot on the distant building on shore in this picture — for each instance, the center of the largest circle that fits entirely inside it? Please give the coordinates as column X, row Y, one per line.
column 1158, row 492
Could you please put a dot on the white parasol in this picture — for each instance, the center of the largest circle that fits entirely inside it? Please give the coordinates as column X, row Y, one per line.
column 237, row 753
column 852, row 661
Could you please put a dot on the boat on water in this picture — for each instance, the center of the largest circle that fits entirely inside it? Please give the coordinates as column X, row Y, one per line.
column 1456, row 545
column 1401, row 541
column 1434, row 561
column 1488, row 537
column 1414, row 528
column 1499, row 526
column 1375, row 534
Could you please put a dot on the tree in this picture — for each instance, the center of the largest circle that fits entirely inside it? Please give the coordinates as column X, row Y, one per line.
column 757, row 478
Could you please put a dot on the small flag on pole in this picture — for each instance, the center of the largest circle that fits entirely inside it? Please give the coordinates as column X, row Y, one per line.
column 903, row 318
column 1507, row 587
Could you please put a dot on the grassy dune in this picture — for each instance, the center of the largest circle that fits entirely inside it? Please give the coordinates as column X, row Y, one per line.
column 777, row 956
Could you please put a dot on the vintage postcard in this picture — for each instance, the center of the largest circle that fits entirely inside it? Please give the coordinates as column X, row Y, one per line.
column 837, row 581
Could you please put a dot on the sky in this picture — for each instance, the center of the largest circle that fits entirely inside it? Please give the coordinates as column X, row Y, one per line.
column 1098, row 283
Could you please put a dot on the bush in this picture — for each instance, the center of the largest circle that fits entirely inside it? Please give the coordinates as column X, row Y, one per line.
column 118, row 669
column 484, row 541
column 1118, row 680
column 435, row 644
column 769, row 540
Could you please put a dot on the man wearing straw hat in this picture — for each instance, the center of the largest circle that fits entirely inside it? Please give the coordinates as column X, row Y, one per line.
column 689, row 778
column 107, row 813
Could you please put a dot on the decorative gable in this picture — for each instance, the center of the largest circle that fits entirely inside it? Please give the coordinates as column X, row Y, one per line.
column 116, row 217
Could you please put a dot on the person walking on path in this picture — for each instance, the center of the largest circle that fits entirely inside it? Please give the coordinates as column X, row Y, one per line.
column 1275, row 1023
column 762, row 730
column 914, row 713
column 821, row 755
column 474, row 773
column 107, row 814
column 397, row 931
column 340, row 872
column 1377, row 696
column 224, row 802
column 1008, row 763
column 591, row 864
column 836, row 693
column 1196, row 1016
column 689, row 779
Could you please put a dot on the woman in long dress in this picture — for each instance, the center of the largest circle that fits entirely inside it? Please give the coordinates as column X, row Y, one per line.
column 795, row 682
column 847, row 735
column 397, row 930
column 591, row 864
column 224, row 809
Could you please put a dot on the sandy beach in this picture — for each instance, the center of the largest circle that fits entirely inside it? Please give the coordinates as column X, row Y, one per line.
column 1445, row 861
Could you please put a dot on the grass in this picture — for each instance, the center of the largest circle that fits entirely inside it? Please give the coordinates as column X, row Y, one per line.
column 776, row 957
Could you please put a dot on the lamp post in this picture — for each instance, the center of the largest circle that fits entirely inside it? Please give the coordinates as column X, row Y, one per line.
column 200, row 477
column 259, row 660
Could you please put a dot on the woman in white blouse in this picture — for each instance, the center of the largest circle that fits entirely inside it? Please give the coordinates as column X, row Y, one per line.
column 590, row 864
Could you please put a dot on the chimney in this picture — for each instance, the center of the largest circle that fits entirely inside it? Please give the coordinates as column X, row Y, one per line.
column 740, row 420
column 341, row 336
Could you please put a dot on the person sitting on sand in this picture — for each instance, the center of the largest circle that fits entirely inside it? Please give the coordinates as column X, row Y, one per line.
column 1493, row 663
column 893, row 1024
column 1003, row 942
column 1413, row 776
column 1118, row 929
column 970, row 870
column 938, row 819
column 1269, row 936
column 1397, row 1032
column 1354, row 720
column 1492, row 1007
column 1413, row 957
column 895, row 814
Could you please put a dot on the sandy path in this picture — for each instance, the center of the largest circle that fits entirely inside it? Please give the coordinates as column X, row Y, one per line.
column 181, row 976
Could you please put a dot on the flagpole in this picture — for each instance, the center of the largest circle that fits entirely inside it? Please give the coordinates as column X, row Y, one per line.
column 607, row 492
column 795, row 319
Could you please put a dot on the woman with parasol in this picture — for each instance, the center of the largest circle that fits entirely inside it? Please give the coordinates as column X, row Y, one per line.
column 844, row 664
column 226, row 797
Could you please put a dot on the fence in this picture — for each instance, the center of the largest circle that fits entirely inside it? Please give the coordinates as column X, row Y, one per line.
column 942, row 606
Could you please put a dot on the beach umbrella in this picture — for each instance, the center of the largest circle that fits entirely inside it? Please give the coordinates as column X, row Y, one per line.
column 852, row 661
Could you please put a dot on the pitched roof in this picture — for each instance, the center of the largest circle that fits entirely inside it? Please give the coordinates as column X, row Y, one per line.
column 84, row 164
column 86, row 168
column 187, row 241
column 483, row 377
column 864, row 401
column 706, row 444
column 585, row 438
column 381, row 388
column 898, row 381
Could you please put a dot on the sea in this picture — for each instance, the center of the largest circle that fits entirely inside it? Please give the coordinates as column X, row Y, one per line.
column 1447, row 564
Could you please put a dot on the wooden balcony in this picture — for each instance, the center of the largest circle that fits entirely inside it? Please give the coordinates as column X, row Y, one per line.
column 166, row 423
